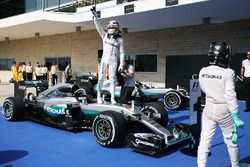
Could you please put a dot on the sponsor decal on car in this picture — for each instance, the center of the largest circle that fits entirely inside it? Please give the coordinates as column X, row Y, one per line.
column 56, row 110
column 138, row 142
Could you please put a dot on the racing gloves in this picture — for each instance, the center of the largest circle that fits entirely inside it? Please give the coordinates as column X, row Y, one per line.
column 244, row 165
column 238, row 123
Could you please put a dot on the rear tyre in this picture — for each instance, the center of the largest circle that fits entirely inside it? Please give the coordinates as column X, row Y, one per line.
column 13, row 108
column 110, row 129
column 80, row 92
column 156, row 107
column 172, row 100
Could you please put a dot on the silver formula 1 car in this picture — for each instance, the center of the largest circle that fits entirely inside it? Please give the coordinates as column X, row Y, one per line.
column 67, row 106
column 173, row 99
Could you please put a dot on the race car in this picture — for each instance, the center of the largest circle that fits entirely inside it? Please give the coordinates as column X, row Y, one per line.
column 68, row 106
column 173, row 99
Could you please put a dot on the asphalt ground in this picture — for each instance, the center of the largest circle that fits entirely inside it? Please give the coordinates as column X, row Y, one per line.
column 28, row 144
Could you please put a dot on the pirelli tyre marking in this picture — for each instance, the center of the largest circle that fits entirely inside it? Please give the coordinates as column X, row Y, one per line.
column 109, row 129
column 7, row 109
column 13, row 108
column 104, row 128
column 172, row 100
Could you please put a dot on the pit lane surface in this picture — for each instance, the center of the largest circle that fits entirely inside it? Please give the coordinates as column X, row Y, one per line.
column 29, row 144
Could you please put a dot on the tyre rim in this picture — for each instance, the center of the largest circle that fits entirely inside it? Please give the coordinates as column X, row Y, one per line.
column 172, row 100
column 103, row 129
column 8, row 110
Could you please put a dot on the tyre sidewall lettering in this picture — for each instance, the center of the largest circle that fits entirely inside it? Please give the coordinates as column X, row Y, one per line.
column 171, row 94
column 109, row 120
column 10, row 104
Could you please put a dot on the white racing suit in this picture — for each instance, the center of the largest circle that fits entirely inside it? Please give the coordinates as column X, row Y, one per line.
column 218, row 85
column 112, row 48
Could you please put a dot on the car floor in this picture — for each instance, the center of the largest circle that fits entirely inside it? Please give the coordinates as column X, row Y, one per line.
column 29, row 144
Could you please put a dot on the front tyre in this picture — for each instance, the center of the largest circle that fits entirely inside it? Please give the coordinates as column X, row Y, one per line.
column 110, row 129
column 13, row 108
column 172, row 100
column 150, row 109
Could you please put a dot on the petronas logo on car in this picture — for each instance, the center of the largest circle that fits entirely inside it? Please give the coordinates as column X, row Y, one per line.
column 59, row 110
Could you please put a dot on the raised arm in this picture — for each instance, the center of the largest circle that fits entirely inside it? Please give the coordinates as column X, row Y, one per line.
column 98, row 25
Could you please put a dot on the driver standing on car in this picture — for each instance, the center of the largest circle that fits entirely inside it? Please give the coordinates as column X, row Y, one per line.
column 217, row 82
column 112, row 48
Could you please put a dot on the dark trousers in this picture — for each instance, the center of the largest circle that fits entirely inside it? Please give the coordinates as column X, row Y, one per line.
column 247, row 90
column 54, row 79
column 45, row 76
column 29, row 76
column 24, row 76
column 126, row 94
column 38, row 77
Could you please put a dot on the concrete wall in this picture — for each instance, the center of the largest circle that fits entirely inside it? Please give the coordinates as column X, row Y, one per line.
column 83, row 47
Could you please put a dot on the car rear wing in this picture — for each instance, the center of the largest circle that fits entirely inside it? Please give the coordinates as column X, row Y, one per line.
column 21, row 87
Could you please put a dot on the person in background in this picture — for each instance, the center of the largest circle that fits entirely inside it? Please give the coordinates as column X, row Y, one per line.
column 68, row 73
column 14, row 72
column 245, row 74
column 129, row 82
column 29, row 71
column 44, row 72
column 38, row 73
column 217, row 81
column 24, row 71
column 53, row 71
column 20, row 72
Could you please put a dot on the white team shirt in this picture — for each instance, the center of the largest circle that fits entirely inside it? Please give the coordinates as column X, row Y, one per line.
column 219, row 86
column 29, row 69
column 246, row 66
column 53, row 69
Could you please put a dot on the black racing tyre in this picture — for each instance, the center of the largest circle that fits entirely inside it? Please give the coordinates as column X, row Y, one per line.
column 13, row 108
column 80, row 92
column 156, row 107
column 172, row 100
column 30, row 97
column 109, row 129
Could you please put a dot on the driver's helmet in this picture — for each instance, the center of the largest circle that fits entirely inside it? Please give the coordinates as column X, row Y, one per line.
column 113, row 27
column 219, row 54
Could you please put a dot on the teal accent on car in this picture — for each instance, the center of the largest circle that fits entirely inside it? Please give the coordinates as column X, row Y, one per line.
column 55, row 111
column 150, row 93
column 90, row 112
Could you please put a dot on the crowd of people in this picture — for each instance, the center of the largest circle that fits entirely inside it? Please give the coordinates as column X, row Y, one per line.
column 22, row 72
